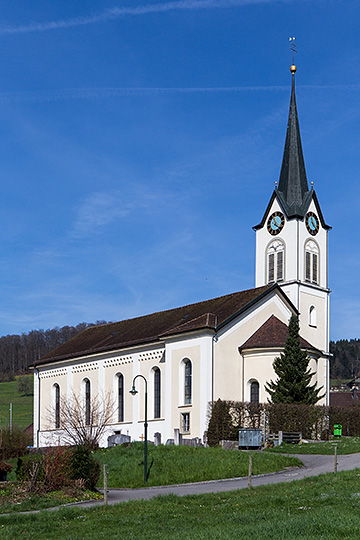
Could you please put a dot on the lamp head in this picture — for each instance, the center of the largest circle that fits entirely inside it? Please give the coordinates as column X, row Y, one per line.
column 133, row 391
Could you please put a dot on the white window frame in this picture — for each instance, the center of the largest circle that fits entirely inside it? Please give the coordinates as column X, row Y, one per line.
column 185, row 422
column 312, row 262
column 275, row 261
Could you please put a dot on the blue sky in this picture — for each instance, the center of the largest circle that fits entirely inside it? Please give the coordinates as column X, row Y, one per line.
column 140, row 143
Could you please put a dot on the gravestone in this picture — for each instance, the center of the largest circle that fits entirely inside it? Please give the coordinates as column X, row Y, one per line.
column 115, row 440
column 157, row 438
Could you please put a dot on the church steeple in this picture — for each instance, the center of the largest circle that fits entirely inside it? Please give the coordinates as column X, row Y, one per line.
column 293, row 189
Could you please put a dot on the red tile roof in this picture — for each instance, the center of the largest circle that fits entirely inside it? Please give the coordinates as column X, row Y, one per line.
column 272, row 333
column 150, row 328
column 344, row 399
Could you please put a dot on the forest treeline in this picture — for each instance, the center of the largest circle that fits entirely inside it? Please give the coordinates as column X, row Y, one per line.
column 18, row 352
column 345, row 362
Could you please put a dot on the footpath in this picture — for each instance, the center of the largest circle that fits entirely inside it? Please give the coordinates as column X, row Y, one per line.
column 313, row 466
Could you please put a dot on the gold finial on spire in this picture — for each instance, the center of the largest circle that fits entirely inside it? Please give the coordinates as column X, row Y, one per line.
column 293, row 49
column 312, row 185
column 275, row 184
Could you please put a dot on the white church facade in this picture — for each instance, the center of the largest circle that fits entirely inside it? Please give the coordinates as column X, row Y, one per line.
column 219, row 348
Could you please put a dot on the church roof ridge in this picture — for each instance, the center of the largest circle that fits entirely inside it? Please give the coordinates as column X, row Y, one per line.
column 213, row 313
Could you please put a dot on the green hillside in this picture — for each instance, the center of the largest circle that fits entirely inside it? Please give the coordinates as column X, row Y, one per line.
column 22, row 406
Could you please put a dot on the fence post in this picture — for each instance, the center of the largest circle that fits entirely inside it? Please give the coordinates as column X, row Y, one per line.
column 335, row 460
column 264, row 430
column 250, row 470
column 105, row 485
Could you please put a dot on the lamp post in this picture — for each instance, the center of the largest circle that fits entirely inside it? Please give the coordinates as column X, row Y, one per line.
column 133, row 392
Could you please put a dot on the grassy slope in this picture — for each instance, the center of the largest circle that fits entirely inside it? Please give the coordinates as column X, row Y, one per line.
column 324, row 507
column 22, row 406
column 183, row 464
column 345, row 445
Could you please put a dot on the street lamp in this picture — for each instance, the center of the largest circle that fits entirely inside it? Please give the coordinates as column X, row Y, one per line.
column 133, row 392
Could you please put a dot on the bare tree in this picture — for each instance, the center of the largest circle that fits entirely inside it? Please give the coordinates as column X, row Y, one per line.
column 81, row 423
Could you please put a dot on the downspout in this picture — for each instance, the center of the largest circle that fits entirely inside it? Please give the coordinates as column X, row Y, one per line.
column 213, row 362
column 38, row 411
column 242, row 375
column 243, row 381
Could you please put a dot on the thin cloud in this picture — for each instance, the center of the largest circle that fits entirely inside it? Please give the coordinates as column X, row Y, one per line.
column 95, row 93
column 97, row 211
column 119, row 12
column 65, row 94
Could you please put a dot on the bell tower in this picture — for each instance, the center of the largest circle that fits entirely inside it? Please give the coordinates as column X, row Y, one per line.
column 292, row 240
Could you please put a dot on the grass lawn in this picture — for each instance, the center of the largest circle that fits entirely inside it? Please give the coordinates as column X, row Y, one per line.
column 324, row 507
column 345, row 445
column 183, row 464
column 22, row 408
column 25, row 502
column 171, row 465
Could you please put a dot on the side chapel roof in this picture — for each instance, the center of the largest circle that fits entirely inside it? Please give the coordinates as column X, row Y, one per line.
column 272, row 333
column 209, row 314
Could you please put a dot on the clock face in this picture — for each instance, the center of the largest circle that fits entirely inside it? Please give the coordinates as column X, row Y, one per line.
column 275, row 223
column 312, row 223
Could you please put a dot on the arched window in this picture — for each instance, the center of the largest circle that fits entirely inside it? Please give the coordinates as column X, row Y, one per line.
column 157, row 393
column 311, row 262
column 87, row 402
column 275, row 261
column 254, row 392
column 187, row 382
column 57, row 405
column 120, row 397
column 312, row 316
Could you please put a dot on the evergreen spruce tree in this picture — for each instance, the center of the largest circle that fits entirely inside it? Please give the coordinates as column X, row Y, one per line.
column 294, row 375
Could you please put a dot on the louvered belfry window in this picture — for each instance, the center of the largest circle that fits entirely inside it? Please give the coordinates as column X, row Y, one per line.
column 315, row 268
column 275, row 261
column 311, row 262
column 279, row 266
column 308, row 266
column 271, row 267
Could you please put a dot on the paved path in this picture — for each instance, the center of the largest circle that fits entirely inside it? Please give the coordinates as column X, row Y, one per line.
column 314, row 465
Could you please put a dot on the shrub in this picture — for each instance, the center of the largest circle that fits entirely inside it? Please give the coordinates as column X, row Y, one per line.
column 220, row 424
column 57, row 468
column 85, row 466
column 5, row 467
column 25, row 385
column 310, row 420
column 348, row 417
column 30, row 469
column 313, row 421
column 7, row 377
column 13, row 442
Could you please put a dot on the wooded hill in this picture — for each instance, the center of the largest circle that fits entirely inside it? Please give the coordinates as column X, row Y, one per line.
column 18, row 352
column 345, row 363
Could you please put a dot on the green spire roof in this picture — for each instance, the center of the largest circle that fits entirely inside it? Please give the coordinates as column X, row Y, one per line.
column 293, row 189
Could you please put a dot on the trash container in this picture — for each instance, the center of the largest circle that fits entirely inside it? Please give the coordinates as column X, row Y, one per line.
column 337, row 430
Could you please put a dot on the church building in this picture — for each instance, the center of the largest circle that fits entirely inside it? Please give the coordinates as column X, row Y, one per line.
column 219, row 348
